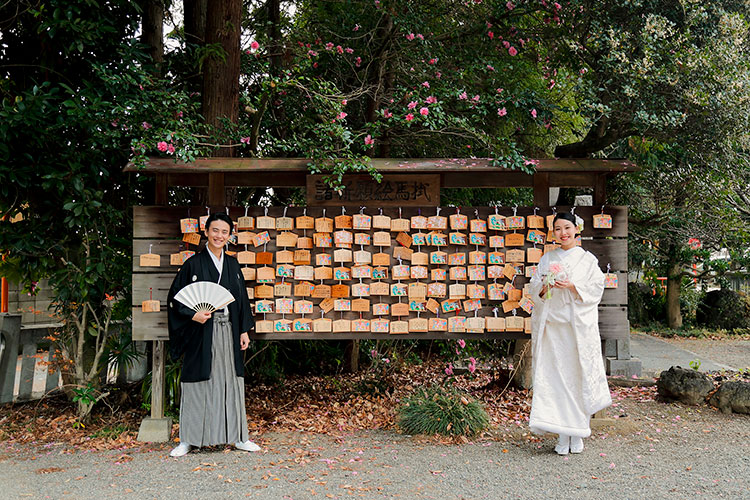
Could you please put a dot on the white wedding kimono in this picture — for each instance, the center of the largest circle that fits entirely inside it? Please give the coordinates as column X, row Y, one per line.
column 569, row 382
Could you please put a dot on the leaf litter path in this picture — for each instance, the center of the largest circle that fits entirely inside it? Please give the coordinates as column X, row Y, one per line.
column 657, row 451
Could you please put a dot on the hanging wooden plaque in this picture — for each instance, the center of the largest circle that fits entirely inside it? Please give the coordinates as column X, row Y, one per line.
column 437, row 222
column 419, row 239
column 495, row 292
column 514, row 324
column 150, row 306
column 245, row 238
column 471, row 305
column 535, row 222
column 417, row 290
column 282, row 326
column 342, row 326
column 361, row 290
column 322, row 325
column 286, row 239
column 381, row 309
column 438, row 274
column 399, row 327
column 432, row 305
column 515, row 255
column 536, row 236
column 362, row 239
column 478, row 226
column 404, row 239
column 323, row 273
column 248, row 273
column 303, row 289
column 515, row 294
column 301, row 257
column 457, row 239
column 261, row 239
column 530, row 271
column 533, row 255
column 362, row 222
column 380, row 288
column 320, row 291
column 192, row 238
column 362, row 257
column 263, row 291
column 362, row 271
column 285, row 257
column 380, row 325
column 438, row 325
column 305, row 222
column 494, row 324
column 418, row 325
column 437, row 239
column 304, row 273
column 265, row 274
column 476, row 291
column 418, row 272
column 342, row 255
column 305, row 242
column 610, row 280
column 189, row 225
column 326, row 305
column 457, row 291
column 457, row 324
column 340, row 291
column 284, row 305
column 265, row 222
column 549, row 247
column 343, row 239
column 508, row 306
column 417, row 305
column 381, row 239
column 457, row 259
column 402, row 253
column 496, row 222
column 475, row 325
column 399, row 289
column 550, row 222
column 437, row 289
column 419, row 222
column 400, row 309
column 342, row 305
column 457, row 273
column 602, row 221
column 250, row 292
column 284, row 271
column 438, row 257
column 420, row 259
column 323, row 259
column 264, row 306
column 264, row 326
column 361, row 305
column 343, row 221
column 303, row 307
column 302, row 325
column 514, row 240
column 381, row 222
column 361, row 325
column 398, row 225
column 244, row 223
column 324, row 225
column 284, row 224
column 459, row 222
column 150, row 260
column 381, row 259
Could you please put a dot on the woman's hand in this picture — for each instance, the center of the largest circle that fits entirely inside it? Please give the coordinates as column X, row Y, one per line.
column 201, row 317
column 244, row 341
column 565, row 284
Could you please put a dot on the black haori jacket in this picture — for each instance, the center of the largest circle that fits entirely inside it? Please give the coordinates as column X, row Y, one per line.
column 191, row 340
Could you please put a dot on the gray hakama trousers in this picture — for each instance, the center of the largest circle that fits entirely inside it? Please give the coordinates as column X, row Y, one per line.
column 213, row 411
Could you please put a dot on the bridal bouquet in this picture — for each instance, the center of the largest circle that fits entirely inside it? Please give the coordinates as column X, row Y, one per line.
column 556, row 272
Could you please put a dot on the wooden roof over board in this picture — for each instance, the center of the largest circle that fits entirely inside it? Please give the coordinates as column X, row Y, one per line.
column 216, row 173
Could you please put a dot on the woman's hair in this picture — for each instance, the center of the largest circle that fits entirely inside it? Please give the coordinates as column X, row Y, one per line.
column 566, row 216
column 219, row 216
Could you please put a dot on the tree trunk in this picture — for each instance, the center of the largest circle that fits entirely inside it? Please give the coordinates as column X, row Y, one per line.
column 221, row 76
column 195, row 35
column 674, row 287
column 153, row 32
column 602, row 134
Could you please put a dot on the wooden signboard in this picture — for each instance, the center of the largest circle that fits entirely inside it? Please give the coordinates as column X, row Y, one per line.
column 394, row 190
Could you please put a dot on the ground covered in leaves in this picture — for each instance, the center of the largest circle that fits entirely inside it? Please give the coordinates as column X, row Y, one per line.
column 332, row 405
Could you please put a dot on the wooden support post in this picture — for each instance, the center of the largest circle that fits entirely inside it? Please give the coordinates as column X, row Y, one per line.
column 600, row 190
column 10, row 330
column 157, row 380
column 351, row 356
column 28, row 364
column 541, row 189
column 216, row 189
column 53, row 376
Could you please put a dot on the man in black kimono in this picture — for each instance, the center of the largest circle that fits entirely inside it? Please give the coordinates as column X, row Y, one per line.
column 212, row 405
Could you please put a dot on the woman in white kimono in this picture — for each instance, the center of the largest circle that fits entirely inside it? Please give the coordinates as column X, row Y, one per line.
column 569, row 382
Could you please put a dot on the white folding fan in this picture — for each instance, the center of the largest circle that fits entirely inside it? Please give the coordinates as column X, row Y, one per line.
column 204, row 296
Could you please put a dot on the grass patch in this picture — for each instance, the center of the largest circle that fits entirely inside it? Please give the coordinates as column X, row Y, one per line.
column 442, row 410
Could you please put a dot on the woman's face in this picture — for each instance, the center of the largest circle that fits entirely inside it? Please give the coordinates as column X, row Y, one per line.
column 565, row 233
column 218, row 234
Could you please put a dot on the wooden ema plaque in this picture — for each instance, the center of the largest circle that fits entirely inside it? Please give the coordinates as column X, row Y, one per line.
column 454, row 267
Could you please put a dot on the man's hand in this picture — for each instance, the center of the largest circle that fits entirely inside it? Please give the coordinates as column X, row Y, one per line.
column 201, row 317
column 244, row 341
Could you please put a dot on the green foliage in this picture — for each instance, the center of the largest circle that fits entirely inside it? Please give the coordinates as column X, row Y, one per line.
column 172, row 375
column 724, row 309
column 442, row 410
column 695, row 364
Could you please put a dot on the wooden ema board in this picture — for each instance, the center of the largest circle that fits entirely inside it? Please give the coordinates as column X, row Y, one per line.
column 159, row 229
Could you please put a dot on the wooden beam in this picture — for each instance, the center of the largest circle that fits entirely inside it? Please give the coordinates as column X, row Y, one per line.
column 157, row 379
column 541, row 189
column 600, row 190
column 216, row 189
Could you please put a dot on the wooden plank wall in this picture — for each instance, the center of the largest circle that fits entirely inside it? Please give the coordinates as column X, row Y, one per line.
column 158, row 228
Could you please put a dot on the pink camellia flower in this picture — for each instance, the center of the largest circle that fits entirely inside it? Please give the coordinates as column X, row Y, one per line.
column 329, row 46
column 315, row 65
column 344, row 102
column 412, row 105
column 424, row 111
column 510, row 6
column 462, row 343
column 433, row 61
column 373, row 353
column 358, row 61
column 349, row 50
column 420, row 36
column 161, row 146
column 506, row 44
column 245, row 140
column 339, row 49
column 533, row 113
column 369, row 141
column 248, row 52
column 356, row 27
column 341, row 115
column 491, row 35
column 558, row 6
column 146, row 125
column 512, row 51
column 438, row 75
column 463, row 96
column 431, row 100
column 409, row 117
column 502, row 111
column 475, row 98
column 472, row 365
column 490, row 67
column 387, row 114
column 426, row 85
column 410, row 36
column 499, row 91
column 170, row 148
column 254, row 45
column 449, row 369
